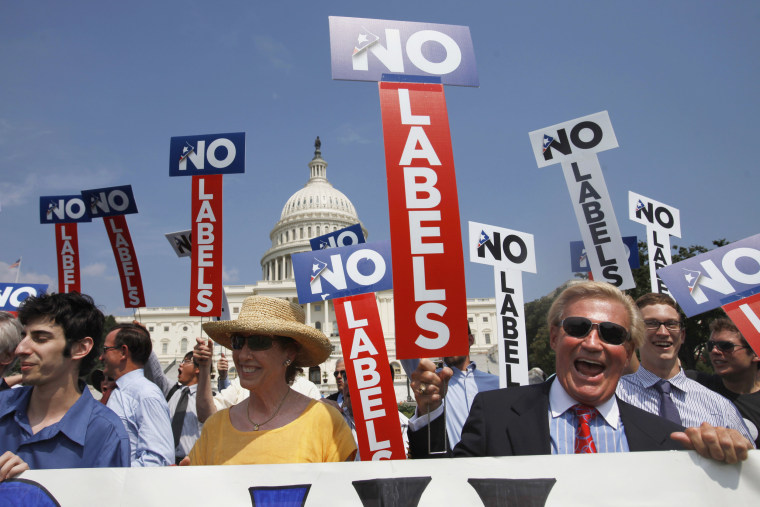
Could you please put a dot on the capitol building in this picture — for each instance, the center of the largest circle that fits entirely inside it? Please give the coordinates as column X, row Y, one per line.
column 314, row 210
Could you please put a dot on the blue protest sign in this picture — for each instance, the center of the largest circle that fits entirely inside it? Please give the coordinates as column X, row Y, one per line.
column 343, row 271
column 351, row 235
column 13, row 294
column 715, row 278
column 63, row 209
column 207, row 154
column 363, row 49
column 579, row 260
column 110, row 201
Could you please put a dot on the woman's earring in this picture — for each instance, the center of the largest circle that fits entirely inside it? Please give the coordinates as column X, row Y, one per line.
column 287, row 362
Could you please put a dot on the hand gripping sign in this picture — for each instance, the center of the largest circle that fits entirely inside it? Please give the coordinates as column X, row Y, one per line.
column 661, row 221
column 112, row 204
column 510, row 253
column 207, row 158
column 370, row 384
column 65, row 211
column 575, row 144
column 430, row 305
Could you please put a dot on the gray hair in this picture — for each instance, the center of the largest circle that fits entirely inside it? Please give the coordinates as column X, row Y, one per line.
column 11, row 333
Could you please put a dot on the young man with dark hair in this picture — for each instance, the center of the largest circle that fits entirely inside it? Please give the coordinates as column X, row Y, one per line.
column 54, row 422
column 137, row 400
column 736, row 372
column 660, row 386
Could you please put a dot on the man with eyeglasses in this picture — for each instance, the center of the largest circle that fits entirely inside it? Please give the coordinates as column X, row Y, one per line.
column 593, row 329
column 340, row 368
column 660, row 386
column 181, row 396
column 736, row 372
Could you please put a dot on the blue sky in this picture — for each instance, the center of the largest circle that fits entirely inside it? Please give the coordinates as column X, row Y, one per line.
column 92, row 92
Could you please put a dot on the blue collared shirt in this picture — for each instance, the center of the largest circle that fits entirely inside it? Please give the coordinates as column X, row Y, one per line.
column 88, row 436
column 695, row 403
column 606, row 428
column 145, row 414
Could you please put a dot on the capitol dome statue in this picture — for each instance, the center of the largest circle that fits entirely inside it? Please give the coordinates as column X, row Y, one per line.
column 314, row 210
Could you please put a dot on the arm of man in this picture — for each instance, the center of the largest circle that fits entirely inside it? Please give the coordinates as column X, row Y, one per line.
column 11, row 466
column 721, row 444
column 155, row 374
column 204, row 400
column 155, row 442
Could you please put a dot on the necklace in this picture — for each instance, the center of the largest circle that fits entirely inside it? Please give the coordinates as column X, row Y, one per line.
column 257, row 426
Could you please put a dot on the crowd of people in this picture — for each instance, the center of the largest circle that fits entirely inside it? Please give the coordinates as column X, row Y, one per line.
column 601, row 399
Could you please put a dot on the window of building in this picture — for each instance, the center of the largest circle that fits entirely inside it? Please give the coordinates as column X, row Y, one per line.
column 235, row 309
column 488, row 338
column 184, row 328
column 166, row 329
column 470, row 319
column 485, row 319
column 396, row 370
column 150, row 328
column 165, row 347
column 315, row 375
column 318, row 325
column 183, row 346
column 317, row 308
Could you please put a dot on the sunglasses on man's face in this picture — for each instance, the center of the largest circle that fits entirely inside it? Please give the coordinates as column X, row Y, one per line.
column 609, row 332
column 723, row 346
column 254, row 342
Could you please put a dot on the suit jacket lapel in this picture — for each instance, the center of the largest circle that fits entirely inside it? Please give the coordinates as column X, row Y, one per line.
column 531, row 436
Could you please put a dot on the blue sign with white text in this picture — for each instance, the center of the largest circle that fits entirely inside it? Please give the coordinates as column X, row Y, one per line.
column 110, row 201
column 579, row 260
column 13, row 294
column 715, row 278
column 364, row 49
column 63, row 209
column 351, row 235
column 343, row 271
column 207, row 154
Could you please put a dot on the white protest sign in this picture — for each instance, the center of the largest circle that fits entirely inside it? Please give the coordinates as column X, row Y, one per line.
column 575, row 144
column 510, row 253
column 661, row 221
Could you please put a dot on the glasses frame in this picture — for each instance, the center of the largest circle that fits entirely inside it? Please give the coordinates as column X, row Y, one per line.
column 602, row 328
column 256, row 342
column 665, row 324
column 724, row 346
column 106, row 349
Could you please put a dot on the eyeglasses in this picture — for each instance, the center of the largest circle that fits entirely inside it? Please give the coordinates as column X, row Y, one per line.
column 254, row 342
column 186, row 360
column 339, row 373
column 106, row 349
column 609, row 332
column 723, row 346
column 670, row 325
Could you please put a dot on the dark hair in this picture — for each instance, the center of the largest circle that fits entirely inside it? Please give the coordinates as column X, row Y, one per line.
column 137, row 340
column 191, row 356
column 724, row 324
column 291, row 370
column 78, row 316
column 655, row 298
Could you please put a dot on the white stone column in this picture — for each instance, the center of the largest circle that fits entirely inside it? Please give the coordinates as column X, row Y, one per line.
column 328, row 324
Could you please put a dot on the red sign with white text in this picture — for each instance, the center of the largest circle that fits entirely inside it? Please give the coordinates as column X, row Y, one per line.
column 373, row 399
column 206, row 253
column 430, row 305
column 745, row 314
column 126, row 261
column 67, row 248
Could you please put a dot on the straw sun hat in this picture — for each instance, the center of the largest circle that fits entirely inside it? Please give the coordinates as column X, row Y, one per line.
column 267, row 315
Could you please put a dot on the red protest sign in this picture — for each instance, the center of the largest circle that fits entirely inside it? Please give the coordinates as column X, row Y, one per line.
column 206, row 253
column 126, row 261
column 373, row 399
column 67, row 248
column 430, row 306
column 745, row 314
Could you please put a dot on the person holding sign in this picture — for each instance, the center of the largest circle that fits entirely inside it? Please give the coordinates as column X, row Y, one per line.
column 275, row 424
column 594, row 329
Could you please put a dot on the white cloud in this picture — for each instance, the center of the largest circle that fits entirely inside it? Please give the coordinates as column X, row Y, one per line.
column 8, row 275
column 276, row 52
column 229, row 275
column 97, row 269
column 351, row 134
column 16, row 194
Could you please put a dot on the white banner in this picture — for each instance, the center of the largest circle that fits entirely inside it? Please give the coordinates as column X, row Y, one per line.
column 639, row 478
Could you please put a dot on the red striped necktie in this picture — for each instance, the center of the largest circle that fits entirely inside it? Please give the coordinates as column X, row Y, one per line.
column 584, row 443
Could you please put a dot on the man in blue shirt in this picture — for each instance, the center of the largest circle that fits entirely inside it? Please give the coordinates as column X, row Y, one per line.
column 136, row 400
column 53, row 422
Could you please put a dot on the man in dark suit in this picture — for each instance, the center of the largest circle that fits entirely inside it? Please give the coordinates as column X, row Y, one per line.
column 594, row 329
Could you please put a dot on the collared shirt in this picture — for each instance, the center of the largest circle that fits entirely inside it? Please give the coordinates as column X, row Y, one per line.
column 143, row 410
column 88, row 436
column 606, row 428
column 191, row 427
column 695, row 403
column 463, row 386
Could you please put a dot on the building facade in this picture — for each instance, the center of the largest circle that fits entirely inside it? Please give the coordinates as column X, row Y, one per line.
column 314, row 210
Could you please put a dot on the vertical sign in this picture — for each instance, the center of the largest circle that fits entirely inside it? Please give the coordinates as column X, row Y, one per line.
column 371, row 386
column 745, row 314
column 206, row 256
column 65, row 211
column 661, row 221
column 510, row 253
column 575, row 144
column 430, row 305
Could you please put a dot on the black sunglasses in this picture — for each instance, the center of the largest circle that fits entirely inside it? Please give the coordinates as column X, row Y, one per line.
column 723, row 346
column 611, row 333
column 254, row 342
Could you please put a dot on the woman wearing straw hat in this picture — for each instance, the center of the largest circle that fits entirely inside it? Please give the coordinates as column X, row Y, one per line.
column 269, row 340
